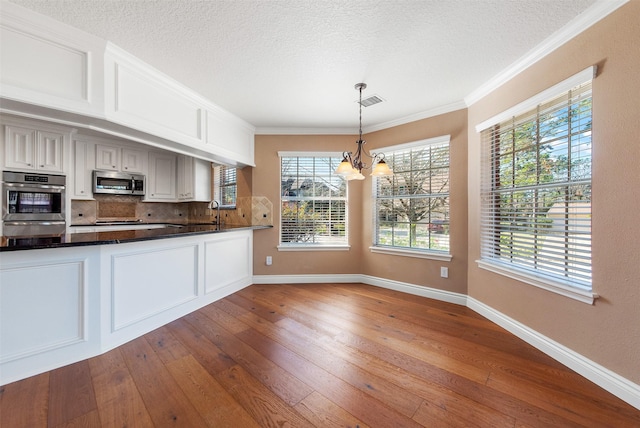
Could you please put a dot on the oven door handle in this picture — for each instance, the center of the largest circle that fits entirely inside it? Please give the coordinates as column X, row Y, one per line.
column 38, row 188
column 33, row 223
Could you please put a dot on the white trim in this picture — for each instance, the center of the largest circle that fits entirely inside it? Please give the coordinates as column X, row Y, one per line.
column 266, row 130
column 419, row 143
column 437, row 111
column 408, row 252
column 311, row 247
column 314, row 154
column 601, row 376
column 418, row 290
column 592, row 15
column 584, row 76
column 306, row 279
column 539, row 281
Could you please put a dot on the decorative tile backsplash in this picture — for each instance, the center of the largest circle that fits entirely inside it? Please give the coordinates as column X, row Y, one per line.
column 252, row 210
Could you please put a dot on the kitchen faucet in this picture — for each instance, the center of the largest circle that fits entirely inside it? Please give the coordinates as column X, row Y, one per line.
column 217, row 206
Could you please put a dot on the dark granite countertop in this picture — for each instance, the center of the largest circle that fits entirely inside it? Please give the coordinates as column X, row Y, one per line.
column 115, row 237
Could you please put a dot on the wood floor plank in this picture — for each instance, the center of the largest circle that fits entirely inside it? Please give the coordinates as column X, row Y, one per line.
column 323, row 412
column 25, row 403
column 232, row 323
column 573, row 406
column 167, row 347
column 165, row 401
column 449, row 409
column 281, row 382
column 71, row 393
column 211, row 400
column 212, row 358
column 259, row 401
column 118, row 400
column 360, row 404
column 424, row 388
column 88, row 420
column 398, row 398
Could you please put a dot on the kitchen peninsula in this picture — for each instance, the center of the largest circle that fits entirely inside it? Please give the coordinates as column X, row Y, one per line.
column 91, row 292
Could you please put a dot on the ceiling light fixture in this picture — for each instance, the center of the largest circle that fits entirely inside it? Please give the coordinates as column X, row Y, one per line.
column 352, row 164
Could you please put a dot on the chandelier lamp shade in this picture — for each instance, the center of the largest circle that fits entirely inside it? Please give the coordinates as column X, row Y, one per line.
column 353, row 163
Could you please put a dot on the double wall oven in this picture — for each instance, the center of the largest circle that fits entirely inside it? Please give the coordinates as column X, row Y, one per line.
column 33, row 205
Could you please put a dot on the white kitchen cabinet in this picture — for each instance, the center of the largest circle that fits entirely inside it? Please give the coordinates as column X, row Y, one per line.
column 114, row 158
column 107, row 158
column 33, row 149
column 98, row 297
column 194, row 179
column 161, row 180
column 83, row 161
column 134, row 161
column 229, row 136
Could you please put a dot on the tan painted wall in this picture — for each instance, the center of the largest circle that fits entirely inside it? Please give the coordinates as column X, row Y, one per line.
column 409, row 269
column 609, row 331
column 266, row 182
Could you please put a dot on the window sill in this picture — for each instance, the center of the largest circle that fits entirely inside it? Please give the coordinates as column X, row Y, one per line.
column 539, row 281
column 432, row 255
column 312, row 247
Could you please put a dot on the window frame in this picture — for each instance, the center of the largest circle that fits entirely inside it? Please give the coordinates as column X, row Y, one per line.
column 219, row 185
column 407, row 251
column 537, row 277
column 314, row 246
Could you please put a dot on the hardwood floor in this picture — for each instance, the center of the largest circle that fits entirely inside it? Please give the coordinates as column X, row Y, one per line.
column 320, row 355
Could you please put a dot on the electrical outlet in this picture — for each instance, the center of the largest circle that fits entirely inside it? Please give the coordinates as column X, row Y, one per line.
column 444, row 272
column 269, row 261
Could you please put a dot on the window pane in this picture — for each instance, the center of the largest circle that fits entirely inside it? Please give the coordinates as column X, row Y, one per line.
column 313, row 201
column 536, row 197
column 412, row 208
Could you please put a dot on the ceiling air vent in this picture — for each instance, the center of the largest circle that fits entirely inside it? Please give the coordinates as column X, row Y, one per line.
column 373, row 99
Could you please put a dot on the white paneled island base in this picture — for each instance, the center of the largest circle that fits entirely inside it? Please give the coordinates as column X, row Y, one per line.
column 62, row 305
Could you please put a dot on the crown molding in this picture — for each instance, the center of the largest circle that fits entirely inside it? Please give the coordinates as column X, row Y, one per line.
column 595, row 13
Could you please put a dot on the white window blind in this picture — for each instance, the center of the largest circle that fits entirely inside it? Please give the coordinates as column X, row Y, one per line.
column 225, row 185
column 313, row 209
column 536, row 190
column 412, row 206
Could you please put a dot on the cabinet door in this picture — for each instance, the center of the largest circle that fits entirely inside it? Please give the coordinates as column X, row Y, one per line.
column 161, row 181
column 194, row 179
column 20, row 147
column 49, row 151
column 107, row 158
column 133, row 161
column 83, row 157
column 185, row 177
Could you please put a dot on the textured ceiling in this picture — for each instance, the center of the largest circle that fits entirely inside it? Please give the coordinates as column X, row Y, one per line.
column 294, row 63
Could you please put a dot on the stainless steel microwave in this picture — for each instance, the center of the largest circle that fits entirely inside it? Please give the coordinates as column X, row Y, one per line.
column 118, row 183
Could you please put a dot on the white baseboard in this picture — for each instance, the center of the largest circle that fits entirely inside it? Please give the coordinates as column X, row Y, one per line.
column 432, row 293
column 601, row 376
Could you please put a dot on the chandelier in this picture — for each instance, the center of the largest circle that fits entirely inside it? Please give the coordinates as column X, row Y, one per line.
column 352, row 163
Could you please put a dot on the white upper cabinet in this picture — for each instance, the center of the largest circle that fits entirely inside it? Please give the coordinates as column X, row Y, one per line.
column 229, row 136
column 31, row 149
column 194, row 179
column 63, row 74
column 83, row 162
column 45, row 62
column 113, row 158
column 161, row 181
column 139, row 96
column 134, row 161
column 107, row 158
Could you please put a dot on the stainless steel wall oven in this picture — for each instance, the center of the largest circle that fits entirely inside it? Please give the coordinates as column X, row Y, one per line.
column 33, row 204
